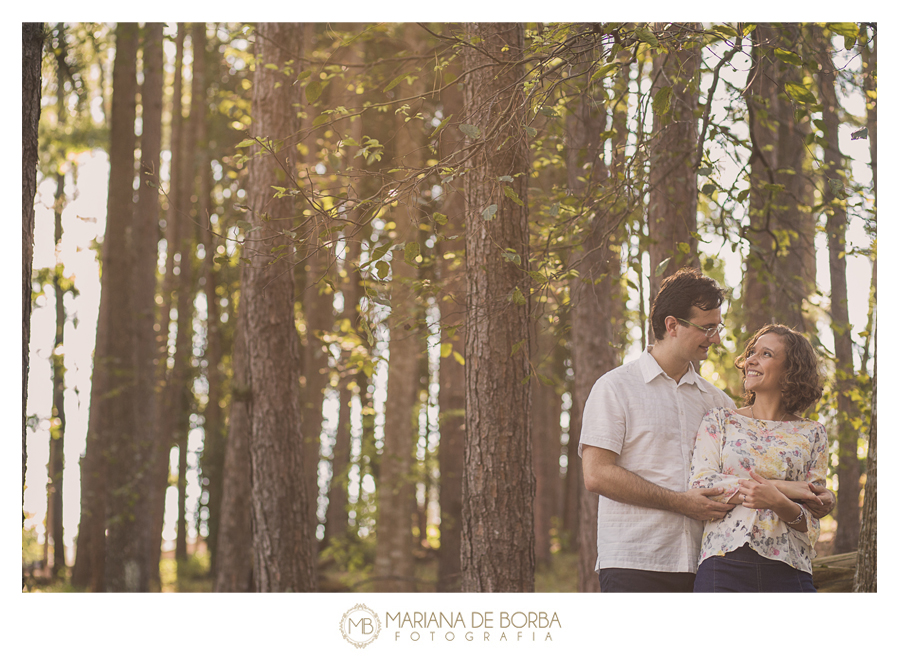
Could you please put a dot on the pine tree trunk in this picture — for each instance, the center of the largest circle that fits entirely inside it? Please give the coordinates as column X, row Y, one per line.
column 124, row 566
column 498, row 483
column 394, row 564
column 283, row 538
column 58, row 427
column 234, row 545
column 318, row 310
column 848, row 469
column 672, row 213
column 32, row 46
column 168, row 397
column 780, row 269
column 452, row 376
column 867, row 555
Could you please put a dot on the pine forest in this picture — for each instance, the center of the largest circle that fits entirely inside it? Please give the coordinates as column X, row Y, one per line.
column 316, row 307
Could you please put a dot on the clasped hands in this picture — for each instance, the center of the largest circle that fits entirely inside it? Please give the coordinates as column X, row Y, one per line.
column 759, row 493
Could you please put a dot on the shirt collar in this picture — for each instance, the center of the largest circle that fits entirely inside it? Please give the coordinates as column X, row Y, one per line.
column 650, row 369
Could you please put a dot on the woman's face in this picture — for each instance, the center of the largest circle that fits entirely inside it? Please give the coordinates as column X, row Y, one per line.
column 765, row 364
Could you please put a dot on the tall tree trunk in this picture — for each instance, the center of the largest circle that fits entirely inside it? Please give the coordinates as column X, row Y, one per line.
column 336, row 516
column 547, row 402
column 318, row 309
column 124, row 567
column 672, row 214
column 168, row 398
column 498, row 483
column 394, row 564
column 32, row 46
column 234, row 561
column 780, row 269
column 452, row 376
column 283, row 538
column 867, row 555
column 848, row 469
column 58, row 424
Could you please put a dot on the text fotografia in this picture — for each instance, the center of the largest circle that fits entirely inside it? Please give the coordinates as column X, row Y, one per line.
column 478, row 626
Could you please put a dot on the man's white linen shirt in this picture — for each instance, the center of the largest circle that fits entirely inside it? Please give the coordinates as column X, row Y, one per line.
column 650, row 421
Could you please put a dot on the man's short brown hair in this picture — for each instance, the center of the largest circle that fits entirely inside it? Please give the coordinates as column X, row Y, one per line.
column 677, row 295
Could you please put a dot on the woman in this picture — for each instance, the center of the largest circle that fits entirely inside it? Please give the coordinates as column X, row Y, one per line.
column 763, row 454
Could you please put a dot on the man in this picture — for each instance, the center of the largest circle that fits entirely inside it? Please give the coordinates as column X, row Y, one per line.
column 637, row 437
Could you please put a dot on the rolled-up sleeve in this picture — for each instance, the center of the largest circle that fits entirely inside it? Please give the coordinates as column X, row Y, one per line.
column 706, row 463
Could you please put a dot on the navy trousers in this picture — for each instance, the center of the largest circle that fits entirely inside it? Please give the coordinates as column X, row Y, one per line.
column 745, row 570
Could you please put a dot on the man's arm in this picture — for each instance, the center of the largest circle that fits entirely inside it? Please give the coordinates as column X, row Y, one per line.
column 603, row 476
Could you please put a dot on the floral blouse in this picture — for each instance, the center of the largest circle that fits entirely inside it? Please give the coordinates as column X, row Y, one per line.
column 728, row 447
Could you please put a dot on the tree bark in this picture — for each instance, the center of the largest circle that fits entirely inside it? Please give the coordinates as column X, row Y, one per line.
column 169, row 398
column 672, row 213
column 498, row 482
column 780, row 269
column 234, row 561
column 452, row 375
column 848, row 469
column 283, row 539
column 32, row 46
column 394, row 564
column 125, row 568
column 867, row 555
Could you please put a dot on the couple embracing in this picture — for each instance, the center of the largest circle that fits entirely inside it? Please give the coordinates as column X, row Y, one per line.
column 696, row 494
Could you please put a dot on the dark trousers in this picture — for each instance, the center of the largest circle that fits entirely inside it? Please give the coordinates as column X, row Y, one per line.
column 745, row 570
column 638, row 580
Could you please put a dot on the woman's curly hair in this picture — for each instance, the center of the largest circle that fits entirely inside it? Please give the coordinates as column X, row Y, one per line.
column 801, row 383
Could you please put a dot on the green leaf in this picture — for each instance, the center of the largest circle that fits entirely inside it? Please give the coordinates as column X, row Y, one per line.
column 382, row 250
column 446, row 350
column 511, row 194
column 442, row 125
column 440, row 218
column 799, row 93
column 548, row 111
column 470, row 131
column 708, row 189
column 662, row 101
column 321, row 119
column 459, row 358
column 489, row 212
column 788, row 57
column 396, row 81
column 661, row 267
column 382, row 268
column 727, row 30
column 846, row 30
column 860, row 134
column 410, row 252
column 538, row 277
column 517, row 297
column 517, row 347
column 303, row 75
column 645, row 35
column 245, row 143
column 531, row 132
column 314, row 90
column 603, row 70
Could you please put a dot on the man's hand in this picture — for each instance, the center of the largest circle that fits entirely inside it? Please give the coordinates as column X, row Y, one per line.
column 823, row 503
column 696, row 504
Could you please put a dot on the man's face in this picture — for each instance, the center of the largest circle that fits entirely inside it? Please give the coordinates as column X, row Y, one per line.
column 693, row 342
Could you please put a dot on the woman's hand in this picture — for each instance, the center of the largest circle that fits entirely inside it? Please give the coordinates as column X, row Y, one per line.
column 759, row 493
column 797, row 490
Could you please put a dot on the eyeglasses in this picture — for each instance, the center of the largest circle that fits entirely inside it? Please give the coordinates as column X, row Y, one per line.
column 709, row 331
